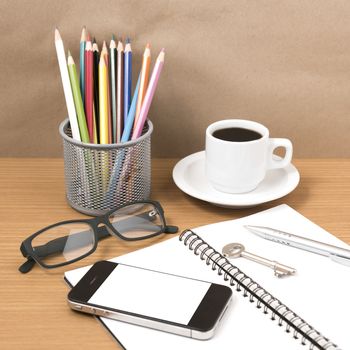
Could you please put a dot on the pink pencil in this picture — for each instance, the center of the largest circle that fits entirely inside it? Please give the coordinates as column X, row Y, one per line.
column 149, row 96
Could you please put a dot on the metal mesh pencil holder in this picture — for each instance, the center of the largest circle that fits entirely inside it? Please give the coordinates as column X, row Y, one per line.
column 99, row 177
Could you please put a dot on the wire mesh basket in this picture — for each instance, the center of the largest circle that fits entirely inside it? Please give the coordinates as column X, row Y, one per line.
column 99, row 177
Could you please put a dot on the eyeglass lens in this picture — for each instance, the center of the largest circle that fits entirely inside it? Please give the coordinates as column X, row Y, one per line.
column 63, row 243
column 137, row 220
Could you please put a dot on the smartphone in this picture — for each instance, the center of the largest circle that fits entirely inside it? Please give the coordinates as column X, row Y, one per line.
column 153, row 299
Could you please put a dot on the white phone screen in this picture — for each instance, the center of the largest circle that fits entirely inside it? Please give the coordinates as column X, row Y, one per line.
column 144, row 292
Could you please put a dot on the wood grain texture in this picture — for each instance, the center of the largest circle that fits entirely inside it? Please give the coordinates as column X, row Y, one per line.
column 34, row 312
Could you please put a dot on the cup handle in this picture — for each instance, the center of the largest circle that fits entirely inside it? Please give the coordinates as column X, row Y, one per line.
column 279, row 163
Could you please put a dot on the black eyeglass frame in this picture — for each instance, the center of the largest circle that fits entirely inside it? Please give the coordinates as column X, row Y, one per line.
column 100, row 232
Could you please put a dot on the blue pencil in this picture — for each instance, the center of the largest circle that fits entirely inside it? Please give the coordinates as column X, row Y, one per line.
column 127, row 78
column 118, row 166
column 131, row 115
column 82, row 64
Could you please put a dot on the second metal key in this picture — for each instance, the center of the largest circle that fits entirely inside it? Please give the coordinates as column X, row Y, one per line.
column 236, row 250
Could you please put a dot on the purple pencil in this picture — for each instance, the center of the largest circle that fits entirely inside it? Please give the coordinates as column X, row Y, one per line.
column 149, row 96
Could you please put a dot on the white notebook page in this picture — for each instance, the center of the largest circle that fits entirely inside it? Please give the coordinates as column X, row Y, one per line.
column 319, row 292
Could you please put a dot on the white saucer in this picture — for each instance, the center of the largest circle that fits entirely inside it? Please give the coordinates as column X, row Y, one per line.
column 189, row 176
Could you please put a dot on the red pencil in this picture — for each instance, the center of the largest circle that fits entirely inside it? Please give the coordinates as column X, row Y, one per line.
column 89, row 89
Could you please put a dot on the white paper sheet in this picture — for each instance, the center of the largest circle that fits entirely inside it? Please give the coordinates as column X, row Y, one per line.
column 319, row 292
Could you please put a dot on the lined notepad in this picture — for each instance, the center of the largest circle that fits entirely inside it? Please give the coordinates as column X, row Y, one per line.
column 319, row 292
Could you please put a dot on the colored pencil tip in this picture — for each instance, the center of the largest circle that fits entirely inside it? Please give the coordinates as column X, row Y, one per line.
column 162, row 50
column 102, row 60
column 83, row 34
column 88, row 37
column 113, row 37
column 95, row 47
column 57, row 34
column 148, row 46
column 112, row 44
column 120, row 46
column 88, row 46
column 127, row 40
column 69, row 54
column 161, row 55
column 94, row 40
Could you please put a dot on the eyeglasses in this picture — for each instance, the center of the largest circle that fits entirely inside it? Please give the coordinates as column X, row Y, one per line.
column 66, row 242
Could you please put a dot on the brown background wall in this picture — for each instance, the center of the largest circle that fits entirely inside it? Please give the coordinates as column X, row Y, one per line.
column 283, row 63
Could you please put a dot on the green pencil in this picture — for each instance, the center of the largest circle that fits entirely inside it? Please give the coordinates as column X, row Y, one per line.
column 78, row 102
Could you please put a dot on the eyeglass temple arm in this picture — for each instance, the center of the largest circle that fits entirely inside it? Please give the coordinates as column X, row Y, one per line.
column 27, row 266
column 171, row 229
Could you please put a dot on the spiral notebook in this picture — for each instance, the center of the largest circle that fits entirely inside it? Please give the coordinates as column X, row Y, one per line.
column 267, row 312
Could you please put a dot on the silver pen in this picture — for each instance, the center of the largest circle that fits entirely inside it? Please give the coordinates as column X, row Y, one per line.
column 337, row 254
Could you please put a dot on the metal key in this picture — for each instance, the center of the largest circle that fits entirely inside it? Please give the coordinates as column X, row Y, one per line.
column 236, row 250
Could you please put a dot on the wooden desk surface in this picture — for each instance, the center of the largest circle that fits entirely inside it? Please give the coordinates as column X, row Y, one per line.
column 34, row 312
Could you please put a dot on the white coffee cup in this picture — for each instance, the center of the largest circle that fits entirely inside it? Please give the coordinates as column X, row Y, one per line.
column 239, row 166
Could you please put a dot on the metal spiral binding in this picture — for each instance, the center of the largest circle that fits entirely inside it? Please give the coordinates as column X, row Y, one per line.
column 277, row 310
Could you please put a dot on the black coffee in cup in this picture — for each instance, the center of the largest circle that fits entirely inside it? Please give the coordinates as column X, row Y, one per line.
column 235, row 165
column 237, row 134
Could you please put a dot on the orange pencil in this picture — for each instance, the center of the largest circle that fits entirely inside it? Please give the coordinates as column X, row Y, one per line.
column 146, row 62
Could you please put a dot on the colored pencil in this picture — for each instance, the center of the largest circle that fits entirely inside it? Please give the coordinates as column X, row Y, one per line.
column 102, row 77
column 68, row 94
column 127, row 78
column 96, row 59
column 112, row 71
column 149, row 95
column 146, row 62
column 73, row 76
column 89, row 89
column 131, row 115
column 95, row 124
column 82, row 63
column 104, row 52
column 120, row 88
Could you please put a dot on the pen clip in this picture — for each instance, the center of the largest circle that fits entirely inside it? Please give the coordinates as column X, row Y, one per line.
column 340, row 259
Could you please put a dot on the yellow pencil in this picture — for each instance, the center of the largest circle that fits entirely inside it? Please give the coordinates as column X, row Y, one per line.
column 103, row 98
column 146, row 62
